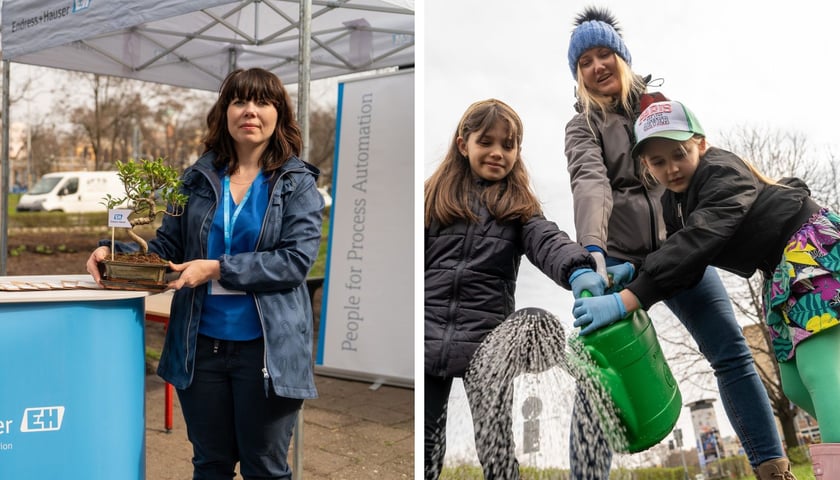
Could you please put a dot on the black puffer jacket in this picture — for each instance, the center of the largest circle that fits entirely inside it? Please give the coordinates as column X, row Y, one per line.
column 726, row 218
column 471, row 271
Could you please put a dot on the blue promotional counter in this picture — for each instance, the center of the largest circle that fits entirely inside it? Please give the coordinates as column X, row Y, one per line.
column 72, row 370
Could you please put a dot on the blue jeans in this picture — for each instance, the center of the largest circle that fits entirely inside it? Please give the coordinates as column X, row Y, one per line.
column 707, row 314
column 230, row 418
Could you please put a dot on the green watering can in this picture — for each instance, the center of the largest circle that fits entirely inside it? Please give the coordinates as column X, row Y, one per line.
column 631, row 367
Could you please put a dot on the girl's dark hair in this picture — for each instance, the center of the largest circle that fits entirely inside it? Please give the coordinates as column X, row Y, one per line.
column 450, row 188
column 259, row 85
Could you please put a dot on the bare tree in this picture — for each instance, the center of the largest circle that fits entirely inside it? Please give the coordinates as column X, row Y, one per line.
column 115, row 105
column 322, row 141
column 181, row 115
column 21, row 90
column 826, row 189
column 122, row 119
column 49, row 146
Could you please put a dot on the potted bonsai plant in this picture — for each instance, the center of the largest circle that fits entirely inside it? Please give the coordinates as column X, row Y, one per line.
column 152, row 188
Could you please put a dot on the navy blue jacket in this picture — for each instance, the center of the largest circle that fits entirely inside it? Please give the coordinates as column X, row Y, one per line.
column 275, row 274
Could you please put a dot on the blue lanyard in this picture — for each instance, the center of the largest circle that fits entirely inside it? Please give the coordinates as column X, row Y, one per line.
column 229, row 222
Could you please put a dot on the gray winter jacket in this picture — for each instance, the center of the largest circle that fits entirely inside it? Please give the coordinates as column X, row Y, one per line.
column 275, row 274
column 470, row 280
column 613, row 210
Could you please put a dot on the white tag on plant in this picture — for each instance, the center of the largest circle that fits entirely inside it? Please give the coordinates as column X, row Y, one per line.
column 118, row 217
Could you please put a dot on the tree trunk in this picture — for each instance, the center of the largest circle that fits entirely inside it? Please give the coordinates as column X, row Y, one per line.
column 787, row 417
column 144, row 247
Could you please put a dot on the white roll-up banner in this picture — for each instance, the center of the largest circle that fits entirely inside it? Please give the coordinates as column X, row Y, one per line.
column 366, row 329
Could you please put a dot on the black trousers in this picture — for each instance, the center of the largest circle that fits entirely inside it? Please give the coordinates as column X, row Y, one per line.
column 230, row 419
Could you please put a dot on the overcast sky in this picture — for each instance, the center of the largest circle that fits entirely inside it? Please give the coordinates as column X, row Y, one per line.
column 734, row 63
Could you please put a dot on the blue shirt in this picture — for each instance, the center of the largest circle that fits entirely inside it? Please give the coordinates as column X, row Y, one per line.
column 235, row 317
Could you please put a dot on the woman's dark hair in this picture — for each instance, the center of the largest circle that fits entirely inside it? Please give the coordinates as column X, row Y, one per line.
column 259, row 85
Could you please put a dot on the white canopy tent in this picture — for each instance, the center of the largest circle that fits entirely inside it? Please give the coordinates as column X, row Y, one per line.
column 196, row 43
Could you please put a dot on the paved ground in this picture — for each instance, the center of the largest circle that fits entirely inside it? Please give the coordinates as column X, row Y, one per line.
column 350, row 433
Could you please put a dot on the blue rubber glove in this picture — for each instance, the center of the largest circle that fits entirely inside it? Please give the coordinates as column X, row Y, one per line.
column 598, row 312
column 586, row 279
column 620, row 275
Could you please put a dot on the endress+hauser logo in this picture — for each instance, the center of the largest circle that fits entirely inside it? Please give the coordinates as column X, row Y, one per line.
column 42, row 419
column 79, row 5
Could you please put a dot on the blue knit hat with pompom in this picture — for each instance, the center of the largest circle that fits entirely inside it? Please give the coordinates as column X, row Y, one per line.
column 595, row 27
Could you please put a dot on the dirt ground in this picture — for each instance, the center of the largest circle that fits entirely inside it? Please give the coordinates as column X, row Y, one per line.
column 49, row 252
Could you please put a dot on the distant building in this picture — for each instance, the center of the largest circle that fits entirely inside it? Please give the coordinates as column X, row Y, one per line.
column 707, row 433
column 24, row 170
column 18, row 156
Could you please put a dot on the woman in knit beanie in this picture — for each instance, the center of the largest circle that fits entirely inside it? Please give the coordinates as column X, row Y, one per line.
column 598, row 37
column 619, row 220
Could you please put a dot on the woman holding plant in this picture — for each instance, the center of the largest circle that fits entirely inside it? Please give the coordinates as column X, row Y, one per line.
column 248, row 235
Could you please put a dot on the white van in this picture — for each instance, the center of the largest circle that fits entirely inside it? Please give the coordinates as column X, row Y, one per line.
column 71, row 192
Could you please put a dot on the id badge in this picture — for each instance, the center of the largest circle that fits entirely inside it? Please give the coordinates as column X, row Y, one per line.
column 216, row 289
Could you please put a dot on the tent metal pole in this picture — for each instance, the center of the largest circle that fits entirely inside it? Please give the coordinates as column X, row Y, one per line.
column 231, row 60
column 305, row 21
column 4, row 175
column 304, row 66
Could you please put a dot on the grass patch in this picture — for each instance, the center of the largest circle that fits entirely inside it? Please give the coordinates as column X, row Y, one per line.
column 152, row 354
column 473, row 472
column 319, row 268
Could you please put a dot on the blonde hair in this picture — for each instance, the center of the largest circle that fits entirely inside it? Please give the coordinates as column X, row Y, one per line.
column 760, row 176
column 630, row 84
column 449, row 190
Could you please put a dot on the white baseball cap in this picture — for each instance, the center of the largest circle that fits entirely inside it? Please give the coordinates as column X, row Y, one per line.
column 671, row 120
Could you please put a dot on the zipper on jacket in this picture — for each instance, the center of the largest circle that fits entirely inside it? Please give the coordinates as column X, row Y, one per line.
column 265, row 381
column 680, row 214
column 203, row 249
column 187, row 343
column 456, row 286
column 265, row 372
column 654, row 238
column 266, row 375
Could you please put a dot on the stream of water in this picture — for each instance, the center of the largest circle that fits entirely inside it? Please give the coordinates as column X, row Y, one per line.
column 522, row 386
